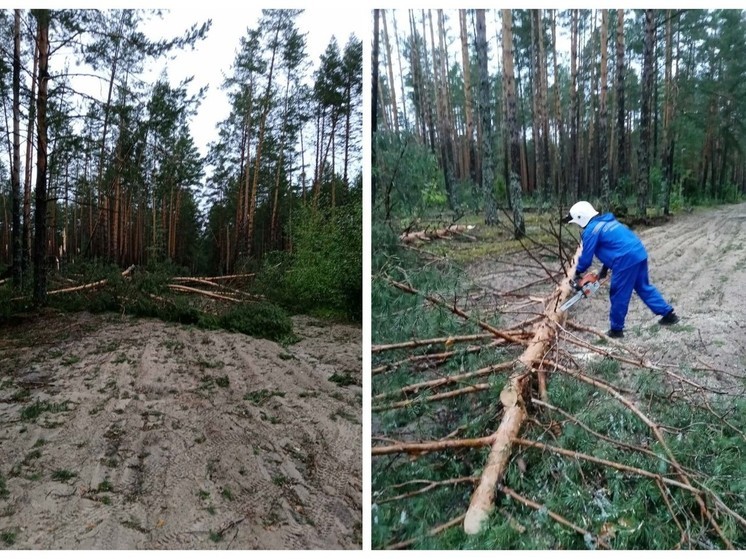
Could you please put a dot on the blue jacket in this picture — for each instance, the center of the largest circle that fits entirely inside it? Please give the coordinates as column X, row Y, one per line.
column 612, row 243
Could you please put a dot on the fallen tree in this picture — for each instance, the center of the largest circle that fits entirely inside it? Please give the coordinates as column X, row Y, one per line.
column 434, row 234
column 542, row 353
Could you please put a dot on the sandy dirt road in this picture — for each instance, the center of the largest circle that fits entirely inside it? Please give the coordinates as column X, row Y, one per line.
column 121, row 433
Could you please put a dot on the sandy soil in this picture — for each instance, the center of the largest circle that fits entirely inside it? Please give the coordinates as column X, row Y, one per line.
column 159, row 436
column 698, row 262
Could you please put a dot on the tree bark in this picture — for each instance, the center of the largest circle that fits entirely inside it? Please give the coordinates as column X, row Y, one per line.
column 574, row 109
column 559, row 159
column 514, row 186
column 543, row 111
column 643, row 181
column 444, row 126
column 466, row 61
column 391, row 84
column 373, row 111
column 621, row 168
column 401, row 75
column 485, row 113
column 40, row 214
column 603, row 131
column 274, row 221
column 16, row 240
column 260, row 141
column 26, row 264
column 668, row 115
column 514, row 397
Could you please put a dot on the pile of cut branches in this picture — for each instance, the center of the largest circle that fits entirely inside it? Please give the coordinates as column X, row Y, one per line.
column 541, row 433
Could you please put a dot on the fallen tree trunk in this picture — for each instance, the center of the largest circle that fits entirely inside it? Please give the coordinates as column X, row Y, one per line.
column 186, row 289
column 433, row 234
column 513, row 398
column 212, row 278
column 89, row 285
column 215, row 285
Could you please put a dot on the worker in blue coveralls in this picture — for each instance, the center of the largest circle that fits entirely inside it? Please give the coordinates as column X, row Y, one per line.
column 621, row 251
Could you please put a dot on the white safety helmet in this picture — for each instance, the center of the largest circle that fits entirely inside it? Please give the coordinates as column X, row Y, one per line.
column 581, row 213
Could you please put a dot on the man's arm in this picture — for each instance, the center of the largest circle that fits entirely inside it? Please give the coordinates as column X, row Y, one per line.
column 590, row 239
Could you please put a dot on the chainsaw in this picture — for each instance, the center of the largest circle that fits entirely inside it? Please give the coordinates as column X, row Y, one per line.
column 586, row 287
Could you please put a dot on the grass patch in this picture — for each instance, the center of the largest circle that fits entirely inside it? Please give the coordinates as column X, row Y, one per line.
column 8, row 538
column 70, row 360
column 63, row 475
column 105, row 486
column 215, row 536
column 32, row 412
column 281, row 481
column 258, row 397
column 31, row 456
column 344, row 415
column 208, row 382
column 207, row 364
column 20, row 395
column 227, row 494
column 342, row 380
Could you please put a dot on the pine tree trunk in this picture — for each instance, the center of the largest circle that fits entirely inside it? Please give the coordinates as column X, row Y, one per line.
column 260, row 142
column 621, row 168
column 668, row 115
column 452, row 127
column 545, row 160
column 17, row 238
column 40, row 214
column 401, row 75
column 603, row 114
column 373, row 117
column 26, row 263
column 391, row 84
column 485, row 113
column 574, row 110
column 444, row 126
column 430, row 99
column 535, row 88
column 514, row 186
column 466, row 62
column 415, row 64
column 643, row 181
column 559, row 159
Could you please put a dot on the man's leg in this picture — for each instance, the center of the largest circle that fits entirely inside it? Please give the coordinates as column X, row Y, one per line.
column 620, row 292
column 648, row 292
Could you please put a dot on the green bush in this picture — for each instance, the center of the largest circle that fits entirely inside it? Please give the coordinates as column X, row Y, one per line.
column 261, row 320
column 323, row 275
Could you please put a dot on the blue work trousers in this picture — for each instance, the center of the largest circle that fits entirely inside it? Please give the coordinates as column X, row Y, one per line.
column 635, row 278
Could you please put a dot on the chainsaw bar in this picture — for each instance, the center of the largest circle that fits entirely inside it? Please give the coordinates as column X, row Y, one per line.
column 584, row 292
column 572, row 300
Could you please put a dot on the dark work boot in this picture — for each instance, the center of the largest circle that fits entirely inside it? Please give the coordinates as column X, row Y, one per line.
column 669, row 319
column 615, row 333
